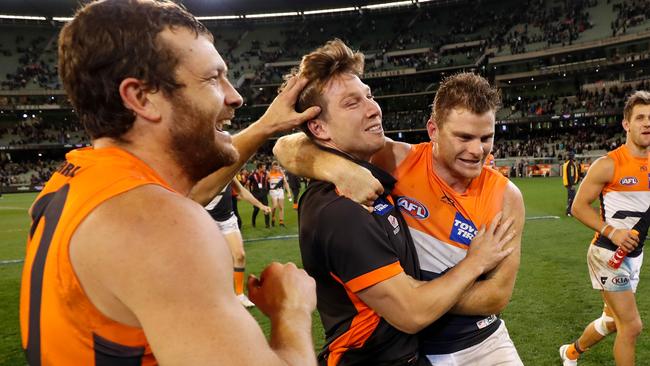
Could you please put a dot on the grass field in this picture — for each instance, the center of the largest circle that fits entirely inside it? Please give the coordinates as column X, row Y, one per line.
column 551, row 304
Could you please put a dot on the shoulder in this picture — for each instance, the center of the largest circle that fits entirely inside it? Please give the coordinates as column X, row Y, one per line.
column 512, row 197
column 391, row 155
column 601, row 171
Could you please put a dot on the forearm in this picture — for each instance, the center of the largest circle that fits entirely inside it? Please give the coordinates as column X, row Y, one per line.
column 247, row 196
column 291, row 339
column 484, row 297
column 299, row 155
column 433, row 299
column 587, row 215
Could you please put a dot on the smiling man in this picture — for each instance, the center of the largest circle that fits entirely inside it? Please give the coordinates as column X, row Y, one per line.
column 620, row 180
column 364, row 263
column 446, row 195
column 121, row 267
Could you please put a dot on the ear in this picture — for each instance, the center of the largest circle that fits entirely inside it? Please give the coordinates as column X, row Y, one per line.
column 319, row 129
column 137, row 98
column 432, row 129
column 626, row 125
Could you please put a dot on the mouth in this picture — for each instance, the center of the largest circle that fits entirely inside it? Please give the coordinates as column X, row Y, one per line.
column 218, row 125
column 470, row 162
column 376, row 128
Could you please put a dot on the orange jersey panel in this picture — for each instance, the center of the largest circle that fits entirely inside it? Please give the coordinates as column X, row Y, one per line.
column 625, row 199
column 443, row 221
column 59, row 324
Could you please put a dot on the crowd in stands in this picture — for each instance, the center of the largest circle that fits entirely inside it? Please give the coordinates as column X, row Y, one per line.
column 32, row 64
column 629, row 13
column 555, row 144
column 597, row 100
column 27, row 172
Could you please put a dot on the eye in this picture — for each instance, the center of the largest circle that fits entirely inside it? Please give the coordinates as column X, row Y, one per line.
column 370, row 96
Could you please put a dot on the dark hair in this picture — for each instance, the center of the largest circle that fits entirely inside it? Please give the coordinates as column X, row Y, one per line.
column 110, row 41
column 319, row 67
column 466, row 90
column 638, row 97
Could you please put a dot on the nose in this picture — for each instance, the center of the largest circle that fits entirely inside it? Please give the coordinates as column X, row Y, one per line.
column 475, row 147
column 233, row 98
column 373, row 110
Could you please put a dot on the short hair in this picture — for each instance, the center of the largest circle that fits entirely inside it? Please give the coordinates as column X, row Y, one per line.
column 319, row 67
column 638, row 97
column 108, row 41
column 467, row 90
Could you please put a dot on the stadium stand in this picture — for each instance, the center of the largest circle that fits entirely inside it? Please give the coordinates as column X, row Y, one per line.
column 564, row 68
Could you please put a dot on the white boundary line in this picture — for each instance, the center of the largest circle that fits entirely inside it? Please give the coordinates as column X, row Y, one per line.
column 543, row 218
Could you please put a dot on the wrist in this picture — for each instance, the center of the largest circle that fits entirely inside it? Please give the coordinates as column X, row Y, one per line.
column 475, row 265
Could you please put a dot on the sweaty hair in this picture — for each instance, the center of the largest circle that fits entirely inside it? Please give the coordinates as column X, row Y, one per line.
column 109, row 41
column 638, row 97
column 465, row 90
column 319, row 67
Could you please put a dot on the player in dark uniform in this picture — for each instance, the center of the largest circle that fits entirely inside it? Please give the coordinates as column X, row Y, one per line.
column 294, row 185
column 258, row 184
column 365, row 265
column 221, row 210
column 570, row 178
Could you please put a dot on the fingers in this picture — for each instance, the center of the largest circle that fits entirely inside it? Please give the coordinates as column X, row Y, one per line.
column 309, row 114
column 495, row 221
column 504, row 228
column 370, row 208
column 294, row 87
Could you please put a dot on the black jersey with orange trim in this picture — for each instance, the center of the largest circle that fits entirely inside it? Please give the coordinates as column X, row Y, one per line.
column 347, row 249
column 221, row 208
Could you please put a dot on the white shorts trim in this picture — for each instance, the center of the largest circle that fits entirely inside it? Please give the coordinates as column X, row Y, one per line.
column 277, row 193
column 497, row 349
column 604, row 278
column 228, row 226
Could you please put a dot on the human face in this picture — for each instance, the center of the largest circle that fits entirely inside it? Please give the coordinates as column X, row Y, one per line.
column 462, row 144
column 351, row 118
column 638, row 127
column 200, row 108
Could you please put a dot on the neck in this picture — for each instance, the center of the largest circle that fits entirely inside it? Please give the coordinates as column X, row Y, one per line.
column 636, row 150
column 156, row 158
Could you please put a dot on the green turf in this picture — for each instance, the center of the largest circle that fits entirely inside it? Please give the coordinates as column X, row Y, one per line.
column 551, row 304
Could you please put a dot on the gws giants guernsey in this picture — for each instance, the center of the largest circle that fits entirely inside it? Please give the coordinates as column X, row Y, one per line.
column 59, row 324
column 625, row 200
column 442, row 223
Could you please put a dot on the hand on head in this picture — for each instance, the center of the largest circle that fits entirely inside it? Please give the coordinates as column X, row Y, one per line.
column 281, row 114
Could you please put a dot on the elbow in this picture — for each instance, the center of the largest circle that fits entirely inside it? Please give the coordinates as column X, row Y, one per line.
column 279, row 151
column 497, row 304
column 407, row 325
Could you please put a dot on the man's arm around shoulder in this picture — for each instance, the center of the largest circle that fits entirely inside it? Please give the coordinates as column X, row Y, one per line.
column 153, row 259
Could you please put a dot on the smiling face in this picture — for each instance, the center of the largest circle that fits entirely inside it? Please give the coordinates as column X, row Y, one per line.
column 351, row 118
column 638, row 127
column 200, row 108
column 462, row 144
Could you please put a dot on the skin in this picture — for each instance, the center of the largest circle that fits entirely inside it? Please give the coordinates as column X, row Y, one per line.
column 184, row 299
column 352, row 124
column 463, row 142
column 622, row 304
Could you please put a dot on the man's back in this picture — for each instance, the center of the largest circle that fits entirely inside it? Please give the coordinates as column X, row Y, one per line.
column 60, row 325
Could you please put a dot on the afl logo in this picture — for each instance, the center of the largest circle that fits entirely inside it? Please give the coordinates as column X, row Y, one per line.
column 629, row 181
column 412, row 207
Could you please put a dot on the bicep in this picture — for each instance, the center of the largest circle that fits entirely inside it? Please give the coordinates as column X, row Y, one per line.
column 513, row 207
column 174, row 275
column 387, row 297
column 592, row 185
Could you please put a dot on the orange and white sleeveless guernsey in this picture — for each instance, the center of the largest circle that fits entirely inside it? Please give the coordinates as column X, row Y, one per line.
column 625, row 200
column 442, row 223
column 276, row 180
column 59, row 324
